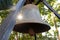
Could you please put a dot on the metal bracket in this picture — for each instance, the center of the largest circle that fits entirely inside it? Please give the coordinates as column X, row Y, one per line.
column 55, row 12
column 45, row 3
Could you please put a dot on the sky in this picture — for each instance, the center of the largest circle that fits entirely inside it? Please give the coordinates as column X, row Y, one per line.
column 58, row 1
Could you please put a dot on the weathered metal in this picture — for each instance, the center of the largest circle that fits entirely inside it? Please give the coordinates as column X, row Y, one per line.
column 29, row 18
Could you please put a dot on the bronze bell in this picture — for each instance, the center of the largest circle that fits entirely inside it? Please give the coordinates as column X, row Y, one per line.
column 29, row 20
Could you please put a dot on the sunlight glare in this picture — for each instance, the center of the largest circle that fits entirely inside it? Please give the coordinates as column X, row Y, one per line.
column 20, row 17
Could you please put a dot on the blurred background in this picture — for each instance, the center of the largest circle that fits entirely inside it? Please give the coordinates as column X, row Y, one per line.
column 47, row 15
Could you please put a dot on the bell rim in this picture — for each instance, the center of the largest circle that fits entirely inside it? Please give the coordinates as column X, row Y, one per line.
column 46, row 25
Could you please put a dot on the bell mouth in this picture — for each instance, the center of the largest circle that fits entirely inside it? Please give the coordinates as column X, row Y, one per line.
column 37, row 27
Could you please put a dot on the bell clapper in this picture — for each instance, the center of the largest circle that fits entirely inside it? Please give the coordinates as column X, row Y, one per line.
column 31, row 32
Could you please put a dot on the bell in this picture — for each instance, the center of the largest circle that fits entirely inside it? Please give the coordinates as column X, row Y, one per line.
column 29, row 20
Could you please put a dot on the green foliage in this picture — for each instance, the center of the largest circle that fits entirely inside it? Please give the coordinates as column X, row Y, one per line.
column 14, row 2
column 41, row 8
column 4, row 13
column 43, row 11
column 51, row 2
